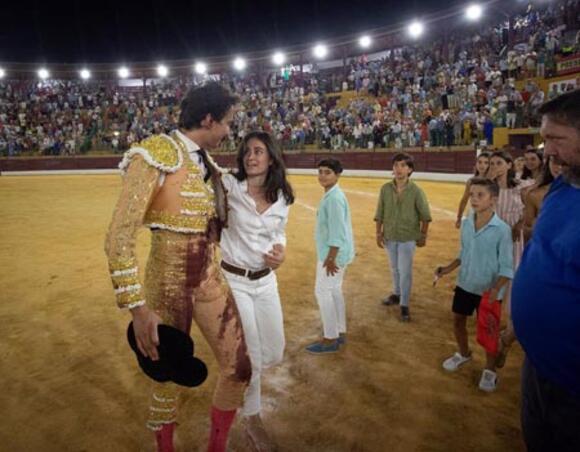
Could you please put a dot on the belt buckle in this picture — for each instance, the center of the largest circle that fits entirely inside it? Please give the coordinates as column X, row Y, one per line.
column 247, row 273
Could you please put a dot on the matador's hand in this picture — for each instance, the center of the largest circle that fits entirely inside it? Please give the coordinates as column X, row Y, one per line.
column 145, row 323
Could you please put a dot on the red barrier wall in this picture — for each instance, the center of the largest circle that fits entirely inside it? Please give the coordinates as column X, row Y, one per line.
column 425, row 161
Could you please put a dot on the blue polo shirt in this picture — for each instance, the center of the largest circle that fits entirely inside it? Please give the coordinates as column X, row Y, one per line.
column 485, row 255
column 334, row 227
column 546, row 289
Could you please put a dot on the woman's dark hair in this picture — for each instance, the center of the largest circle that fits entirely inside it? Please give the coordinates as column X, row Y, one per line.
column 276, row 179
column 490, row 185
column 527, row 173
column 546, row 177
column 211, row 98
column 404, row 157
column 511, row 174
column 333, row 164
column 485, row 154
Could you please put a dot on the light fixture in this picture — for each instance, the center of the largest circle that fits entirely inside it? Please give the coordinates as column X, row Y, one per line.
column 2, row 73
column 43, row 74
column 200, row 68
column 85, row 74
column 473, row 12
column 239, row 64
column 123, row 72
column 365, row 41
column 278, row 58
column 416, row 29
column 162, row 71
column 320, row 51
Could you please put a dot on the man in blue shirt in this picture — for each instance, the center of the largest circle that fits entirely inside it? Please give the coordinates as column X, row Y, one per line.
column 546, row 293
column 486, row 260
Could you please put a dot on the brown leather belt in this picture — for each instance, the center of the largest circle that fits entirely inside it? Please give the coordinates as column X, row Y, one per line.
column 251, row 275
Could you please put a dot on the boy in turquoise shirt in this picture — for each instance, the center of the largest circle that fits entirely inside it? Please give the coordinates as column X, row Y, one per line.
column 335, row 250
column 486, row 261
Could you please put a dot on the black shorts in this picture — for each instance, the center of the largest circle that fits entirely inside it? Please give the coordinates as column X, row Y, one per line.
column 464, row 302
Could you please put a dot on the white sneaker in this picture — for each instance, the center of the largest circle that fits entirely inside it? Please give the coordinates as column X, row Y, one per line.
column 488, row 382
column 455, row 362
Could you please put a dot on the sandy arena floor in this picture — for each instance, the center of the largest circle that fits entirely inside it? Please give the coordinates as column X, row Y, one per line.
column 70, row 382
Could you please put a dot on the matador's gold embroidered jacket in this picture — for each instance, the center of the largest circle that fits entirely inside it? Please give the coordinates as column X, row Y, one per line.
column 162, row 188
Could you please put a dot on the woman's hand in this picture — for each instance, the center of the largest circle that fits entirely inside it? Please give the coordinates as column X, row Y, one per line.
column 275, row 256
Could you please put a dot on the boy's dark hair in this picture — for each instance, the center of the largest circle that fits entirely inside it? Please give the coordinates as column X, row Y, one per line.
column 404, row 157
column 527, row 174
column 564, row 109
column 511, row 175
column 490, row 185
column 211, row 98
column 276, row 179
column 333, row 164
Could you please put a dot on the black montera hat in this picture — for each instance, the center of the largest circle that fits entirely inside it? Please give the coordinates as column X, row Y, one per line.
column 176, row 361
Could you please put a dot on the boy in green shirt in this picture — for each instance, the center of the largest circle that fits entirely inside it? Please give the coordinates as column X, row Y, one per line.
column 402, row 221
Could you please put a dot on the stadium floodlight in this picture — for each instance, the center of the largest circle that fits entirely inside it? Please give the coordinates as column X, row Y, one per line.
column 85, row 74
column 416, row 29
column 239, row 64
column 123, row 72
column 473, row 12
column 365, row 41
column 162, row 71
column 43, row 74
column 278, row 58
column 320, row 51
column 2, row 73
column 200, row 68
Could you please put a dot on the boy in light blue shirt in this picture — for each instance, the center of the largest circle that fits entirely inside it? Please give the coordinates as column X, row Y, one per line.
column 486, row 261
column 335, row 250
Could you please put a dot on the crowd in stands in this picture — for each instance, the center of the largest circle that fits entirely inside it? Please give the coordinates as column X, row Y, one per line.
column 454, row 91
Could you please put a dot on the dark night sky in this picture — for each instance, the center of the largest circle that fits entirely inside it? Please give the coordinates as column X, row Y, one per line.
column 89, row 31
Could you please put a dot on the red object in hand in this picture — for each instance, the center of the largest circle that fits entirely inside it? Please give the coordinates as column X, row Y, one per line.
column 488, row 317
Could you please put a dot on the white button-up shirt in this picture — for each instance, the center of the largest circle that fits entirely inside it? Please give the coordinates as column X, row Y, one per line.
column 250, row 235
column 192, row 148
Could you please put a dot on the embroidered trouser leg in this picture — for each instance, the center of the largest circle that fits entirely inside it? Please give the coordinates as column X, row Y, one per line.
column 183, row 282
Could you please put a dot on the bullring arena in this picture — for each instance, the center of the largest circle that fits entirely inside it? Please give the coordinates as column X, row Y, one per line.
column 349, row 80
column 70, row 381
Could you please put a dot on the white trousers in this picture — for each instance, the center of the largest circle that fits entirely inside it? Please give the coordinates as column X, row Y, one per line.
column 261, row 312
column 328, row 291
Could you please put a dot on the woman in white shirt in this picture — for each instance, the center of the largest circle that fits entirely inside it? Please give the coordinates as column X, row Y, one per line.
column 253, row 245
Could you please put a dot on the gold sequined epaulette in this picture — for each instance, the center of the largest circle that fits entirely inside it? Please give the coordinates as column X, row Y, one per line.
column 159, row 151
